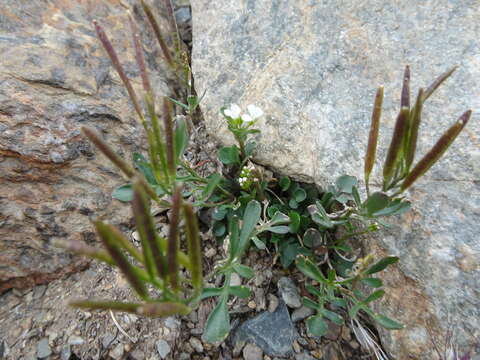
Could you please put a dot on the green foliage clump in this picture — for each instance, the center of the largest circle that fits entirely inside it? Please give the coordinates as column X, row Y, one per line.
column 299, row 223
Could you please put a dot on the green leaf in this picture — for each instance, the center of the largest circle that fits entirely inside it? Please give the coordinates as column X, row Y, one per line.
column 374, row 296
column 294, row 221
column 250, row 148
column 293, row 203
column 144, row 167
column 219, row 213
column 314, row 291
column 180, row 138
column 300, row 195
column 317, row 326
column 346, row 183
column 229, row 155
column 376, row 202
column 244, row 271
column 356, row 196
column 250, row 220
column 234, row 241
column 284, row 183
column 242, row 292
column 312, row 237
column 278, row 229
column 388, row 323
column 373, row 282
column 209, row 292
column 332, row 316
column 279, row 218
column 396, row 207
column 123, row 193
column 213, row 181
column 178, row 103
column 219, row 229
column 339, row 302
column 289, row 253
column 310, row 269
column 352, row 312
column 310, row 303
column 259, row 243
column 382, row 264
column 218, row 323
column 322, row 221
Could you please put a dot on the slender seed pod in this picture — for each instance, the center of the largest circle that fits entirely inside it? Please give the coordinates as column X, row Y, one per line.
column 194, row 246
column 116, row 64
column 127, row 245
column 405, row 98
column 437, row 83
column 436, row 151
column 159, row 147
column 81, row 248
column 158, row 34
column 108, row 239
column 95, row 138
column 168, row 128
column 137, row 42
column 395, row 147
column 373, row 136
column 172, row 251
column 144, row 221
column 163, row 309
column 173, row 23
column 106, row 305
column 141, row 213
column 415, row 119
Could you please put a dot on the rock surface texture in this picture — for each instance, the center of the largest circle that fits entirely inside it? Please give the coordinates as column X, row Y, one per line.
column 314, row 67
column 55, row 78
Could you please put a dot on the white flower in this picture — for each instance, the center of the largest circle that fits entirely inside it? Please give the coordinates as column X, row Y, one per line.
column 233, row 111
column 254, row 111
column 247, row 118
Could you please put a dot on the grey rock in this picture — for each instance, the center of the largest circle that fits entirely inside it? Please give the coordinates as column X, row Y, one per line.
column 117, row 352
column 172, row 322
column 252, row 352
column 235, row 280
column 43, row 349
column 273, row 332
column 302, row 313
column 289, row 292
column 196, row 344
column 183, row 15
column 163, row 348
column 304, row 356
column 272, row 302
column 75, row 340
column 65, row 353
column 107, row 340
column 137, row 355
column 313, row 67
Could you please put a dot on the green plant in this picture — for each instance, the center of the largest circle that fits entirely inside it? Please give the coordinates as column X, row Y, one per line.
column 298, row 222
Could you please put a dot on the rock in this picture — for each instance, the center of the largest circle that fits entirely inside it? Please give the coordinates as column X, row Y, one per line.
column 163, row 348
column 117, row 352
column 56, row 78
column 302, row 313
column 75, row 340
column 252, row 352
column 235, row 280
column 303, row 356
column 272, row 332
column 43, row 349
column 172, row 323
column 65, row 353
column 313, row 67
column 272, row 303
column 107, row 340
column 137, row 355
column 289, row 292
column 196, row 344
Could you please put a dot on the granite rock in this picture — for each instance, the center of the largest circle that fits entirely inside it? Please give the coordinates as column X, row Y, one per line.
column 55, row 78
column 314, row 67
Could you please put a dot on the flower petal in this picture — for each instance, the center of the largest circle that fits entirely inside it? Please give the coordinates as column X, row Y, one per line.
column 233, row 111
column 246, row 118
column 255, row 111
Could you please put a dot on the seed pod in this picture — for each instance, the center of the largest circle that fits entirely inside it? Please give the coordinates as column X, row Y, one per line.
column 172, row 251
column 395, row 148
column 158, row 34
column 116, row 64
column 106, row 305
column 168, row 128
column 437, row 83
column 436, row 151
column 111, row 244
column 405, row 99
column 137, row 42
column 373, row 136
column 95, row 138
column 194, row 246
column 415, row 119
column 147, row 231
column 81, row 248
column 163, row 309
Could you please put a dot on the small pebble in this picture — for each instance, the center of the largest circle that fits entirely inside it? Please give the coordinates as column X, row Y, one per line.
column 75, row 340
column 252, row 352
column 137, row 355
column 252, row 305
column 117, row 352
column 296, row 347
column 272, row 303
column 302, row 313
column 196, row 344
column 211, row 252
column 235, row 280
column 289, row 293
column 163, row 348
column 43, row 349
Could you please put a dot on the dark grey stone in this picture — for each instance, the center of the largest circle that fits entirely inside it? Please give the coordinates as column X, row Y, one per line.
column 43, row 349
column 273, row 332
